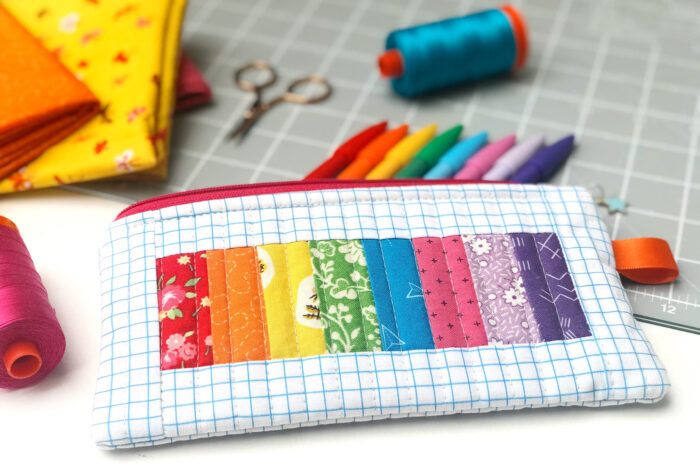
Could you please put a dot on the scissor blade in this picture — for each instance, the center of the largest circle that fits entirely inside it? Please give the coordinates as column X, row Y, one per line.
column 241, row 129
column 249, row 118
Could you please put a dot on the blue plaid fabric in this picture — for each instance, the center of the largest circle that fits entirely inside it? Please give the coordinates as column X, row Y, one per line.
column 137, row 404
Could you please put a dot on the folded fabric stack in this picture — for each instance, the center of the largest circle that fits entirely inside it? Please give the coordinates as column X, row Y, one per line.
column 41, row 103
column 192, row 89
column 125, row 52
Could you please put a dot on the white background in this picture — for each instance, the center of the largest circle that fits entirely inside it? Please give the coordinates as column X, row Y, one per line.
column 50, row 423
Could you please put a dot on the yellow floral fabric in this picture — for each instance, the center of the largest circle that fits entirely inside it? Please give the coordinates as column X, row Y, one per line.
column 126, row 52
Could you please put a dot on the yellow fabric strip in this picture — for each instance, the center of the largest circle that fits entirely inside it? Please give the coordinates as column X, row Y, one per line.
column 126, row 53
column 278, row 301
column 307, row 322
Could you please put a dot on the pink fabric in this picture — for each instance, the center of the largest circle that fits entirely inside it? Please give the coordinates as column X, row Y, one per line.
column 462, row 282
column 437, row 292
column 192, row 89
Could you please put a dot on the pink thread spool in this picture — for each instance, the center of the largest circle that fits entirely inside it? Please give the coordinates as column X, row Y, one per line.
column 31, row 340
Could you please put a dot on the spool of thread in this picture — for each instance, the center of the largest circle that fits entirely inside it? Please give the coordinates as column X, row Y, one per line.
column 456, row 50
column 31, row 340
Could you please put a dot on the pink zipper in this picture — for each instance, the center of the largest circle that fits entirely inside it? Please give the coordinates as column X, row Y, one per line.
column 235, row 191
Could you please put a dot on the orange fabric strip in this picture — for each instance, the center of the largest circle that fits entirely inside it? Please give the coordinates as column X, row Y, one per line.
column 645, row 260
column 220, row 334
column 42, row 101
column 246, row 309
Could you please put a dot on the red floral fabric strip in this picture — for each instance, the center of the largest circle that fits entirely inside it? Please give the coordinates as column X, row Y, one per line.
column 205, row 355
column 176, row 302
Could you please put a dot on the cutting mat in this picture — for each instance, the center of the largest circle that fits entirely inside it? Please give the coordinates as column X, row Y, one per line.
column 623, row 76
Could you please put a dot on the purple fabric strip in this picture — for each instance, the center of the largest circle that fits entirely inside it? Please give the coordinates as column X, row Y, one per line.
column 571, row 317
column 508, row 317
column 538, row 294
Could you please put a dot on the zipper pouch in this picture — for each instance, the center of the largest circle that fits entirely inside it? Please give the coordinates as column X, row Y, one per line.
column 273, row 306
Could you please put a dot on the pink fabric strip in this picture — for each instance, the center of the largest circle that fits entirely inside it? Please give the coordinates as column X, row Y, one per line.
column 463, row 285
column 438, row 294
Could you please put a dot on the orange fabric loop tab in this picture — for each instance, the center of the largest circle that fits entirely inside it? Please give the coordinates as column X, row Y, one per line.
column 645, row 260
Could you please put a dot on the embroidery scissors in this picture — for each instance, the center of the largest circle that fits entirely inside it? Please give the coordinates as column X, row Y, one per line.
column 293, row 93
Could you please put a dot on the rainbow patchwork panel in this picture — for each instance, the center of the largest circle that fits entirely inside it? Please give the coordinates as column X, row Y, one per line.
column 303, row 298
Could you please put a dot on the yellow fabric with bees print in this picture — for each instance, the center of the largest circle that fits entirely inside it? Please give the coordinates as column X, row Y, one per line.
column 287, row 279
column 126, row 52
column 305, row 303
column 274, row 276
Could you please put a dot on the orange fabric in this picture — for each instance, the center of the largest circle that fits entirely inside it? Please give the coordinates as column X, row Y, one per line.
column 42, row 102
column 645, row 260
column 246, row 309
column 220, row 334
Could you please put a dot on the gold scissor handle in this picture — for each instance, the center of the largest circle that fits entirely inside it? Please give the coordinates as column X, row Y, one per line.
column 251, row 86
column 325, row 90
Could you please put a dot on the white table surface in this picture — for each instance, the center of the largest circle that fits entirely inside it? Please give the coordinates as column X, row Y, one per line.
column 50, row 423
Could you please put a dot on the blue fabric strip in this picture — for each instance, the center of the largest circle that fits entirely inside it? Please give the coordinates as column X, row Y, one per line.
column 382, row 296
column 406, row 294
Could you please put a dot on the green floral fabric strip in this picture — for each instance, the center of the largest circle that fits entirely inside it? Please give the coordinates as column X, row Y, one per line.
column 345, row 295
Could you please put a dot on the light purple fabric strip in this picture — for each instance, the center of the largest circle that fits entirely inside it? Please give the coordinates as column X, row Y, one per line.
column 538, row 294
column 571, row 317
column 508, row 316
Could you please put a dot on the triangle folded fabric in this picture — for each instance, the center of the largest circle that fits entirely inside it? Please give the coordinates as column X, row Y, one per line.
column 126, row 52
column 192, row 89
column 42, row 102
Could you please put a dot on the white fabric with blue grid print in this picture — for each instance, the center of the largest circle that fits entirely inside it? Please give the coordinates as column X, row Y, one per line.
column 137, row 405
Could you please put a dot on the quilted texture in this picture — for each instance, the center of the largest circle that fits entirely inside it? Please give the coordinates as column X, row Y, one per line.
column 137, row 404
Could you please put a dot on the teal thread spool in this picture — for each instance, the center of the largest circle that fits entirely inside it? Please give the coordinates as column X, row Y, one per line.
column 433, row 56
